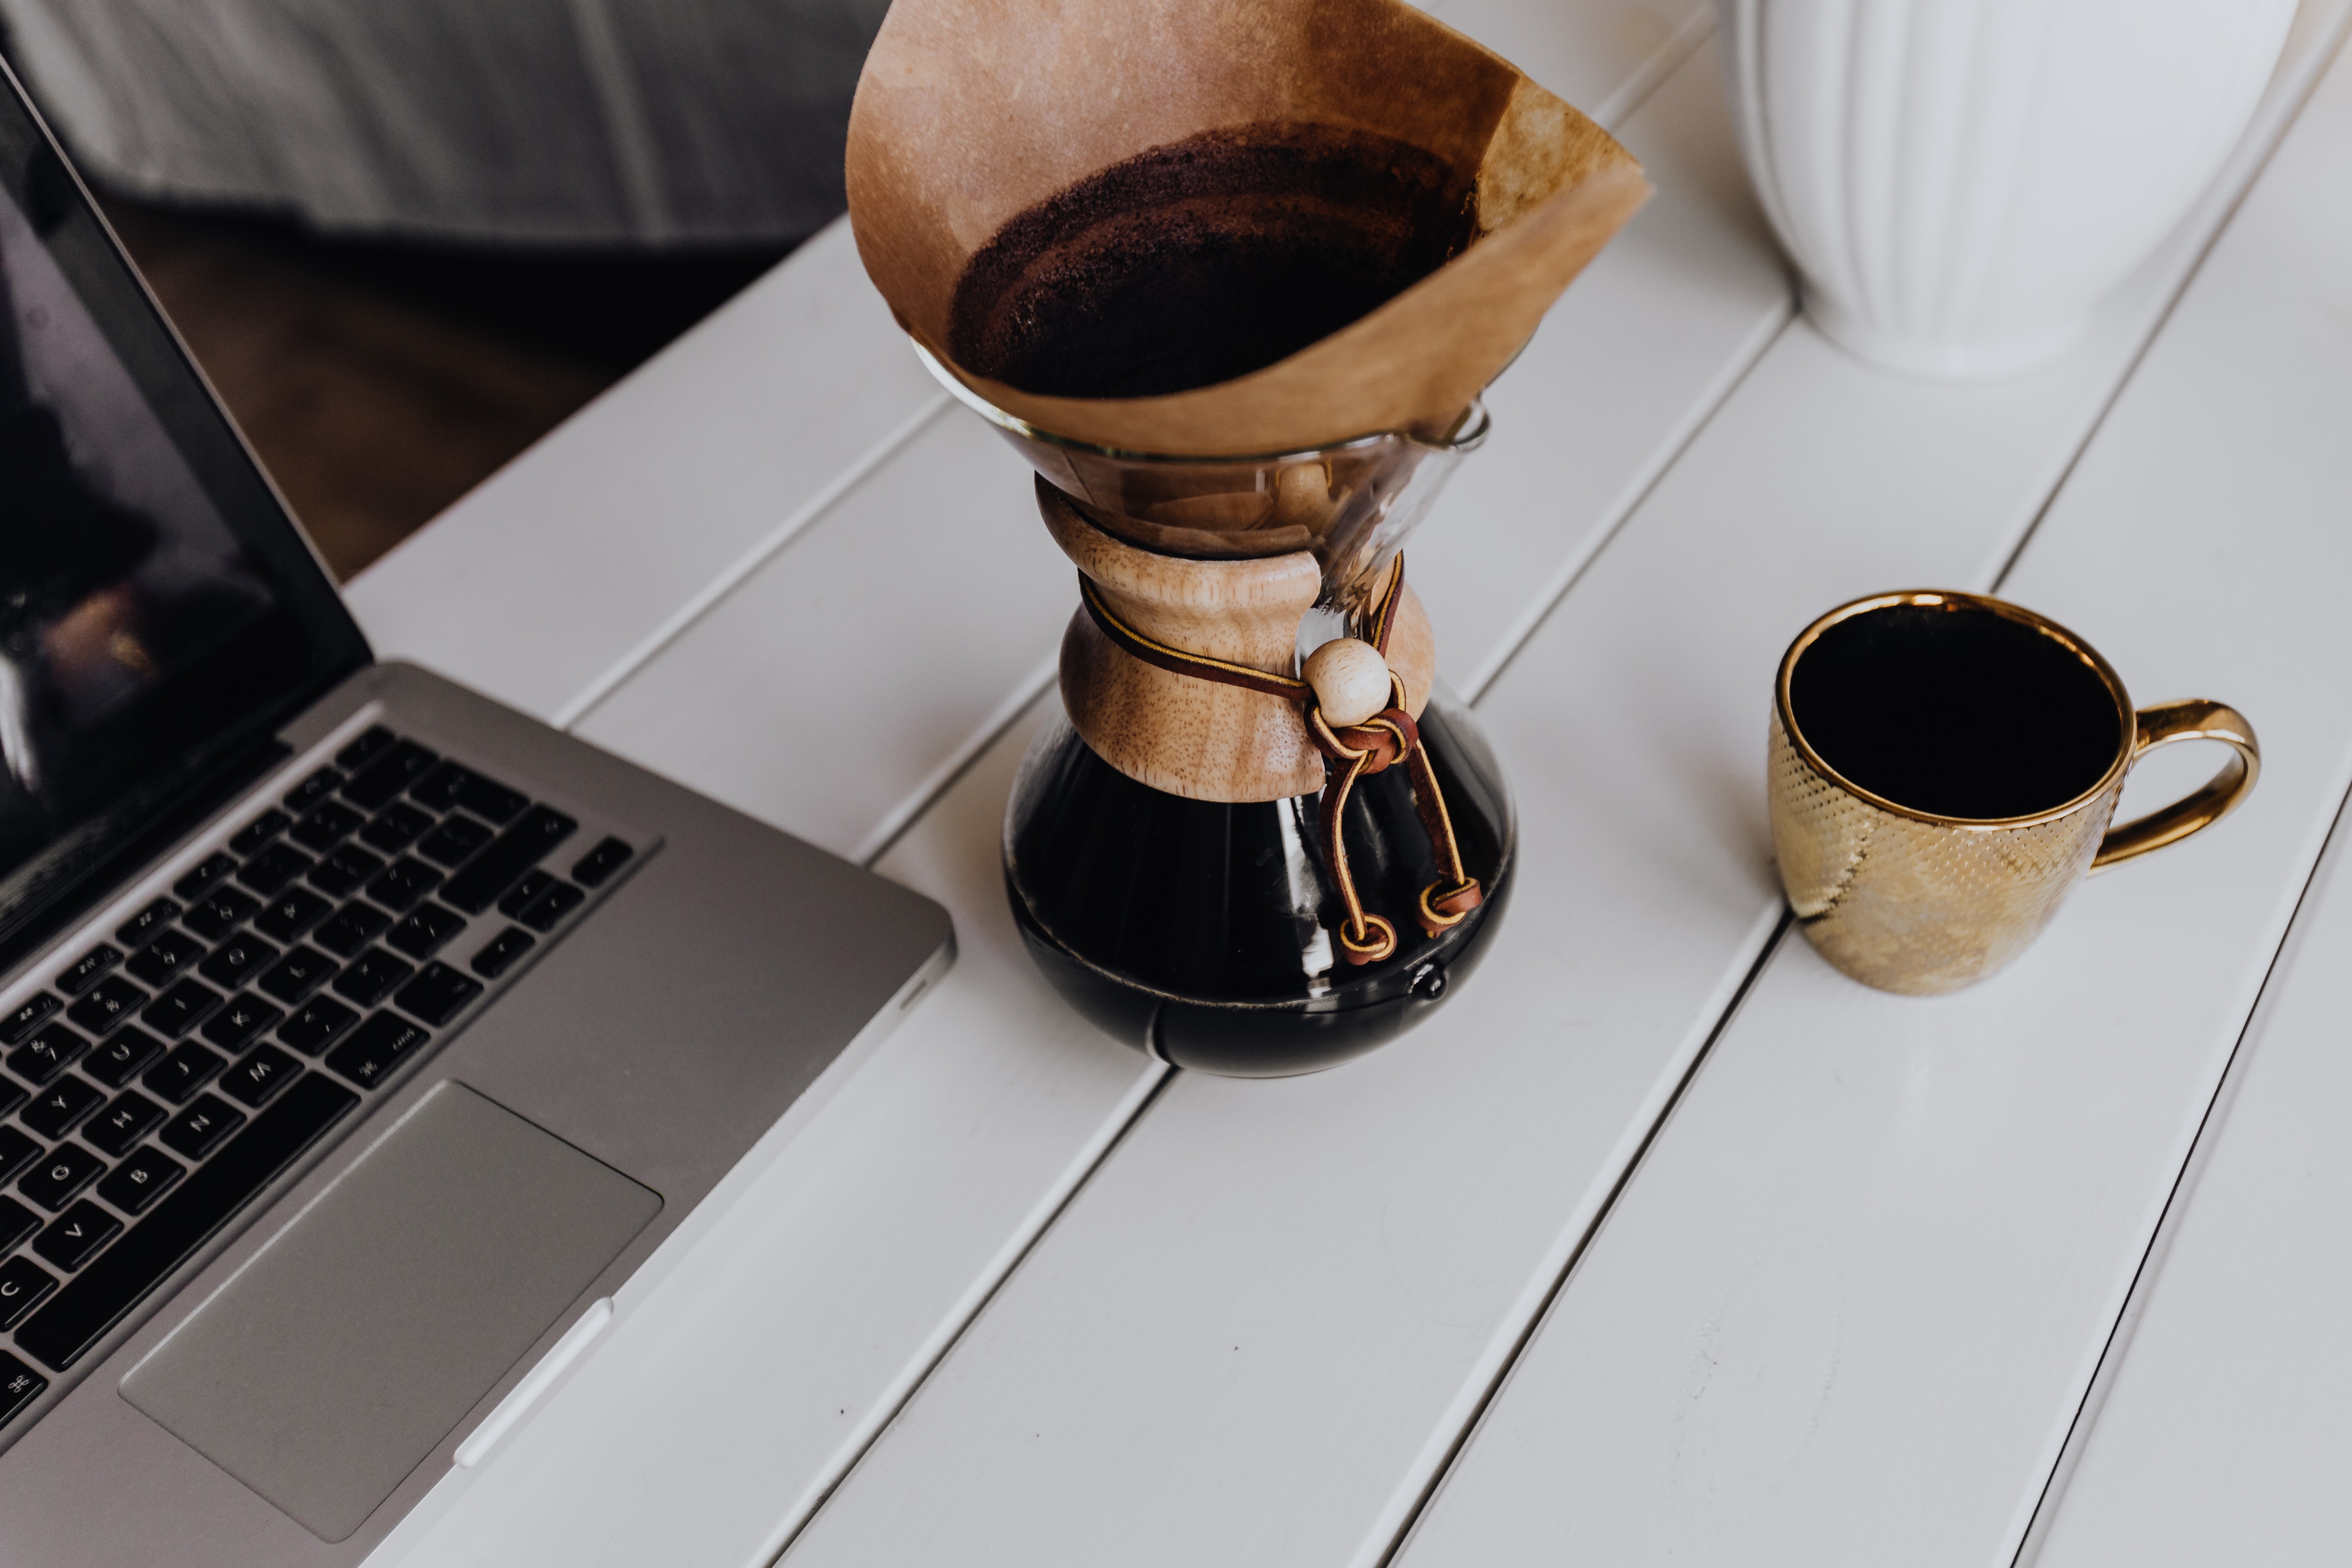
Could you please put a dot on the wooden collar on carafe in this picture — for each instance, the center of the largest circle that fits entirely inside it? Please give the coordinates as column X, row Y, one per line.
column 1356, row 751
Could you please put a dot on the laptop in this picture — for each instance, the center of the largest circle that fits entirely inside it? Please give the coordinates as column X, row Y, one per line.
column 359, row 1036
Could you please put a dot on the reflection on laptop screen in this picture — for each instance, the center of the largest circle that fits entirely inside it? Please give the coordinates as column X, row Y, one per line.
column 157, row 610
column 115, row 566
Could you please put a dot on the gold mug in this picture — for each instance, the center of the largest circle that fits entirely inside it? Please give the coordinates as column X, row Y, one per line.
column 1944, row 767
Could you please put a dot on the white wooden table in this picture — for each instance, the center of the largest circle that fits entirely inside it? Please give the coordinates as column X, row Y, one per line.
column 1662, row 1243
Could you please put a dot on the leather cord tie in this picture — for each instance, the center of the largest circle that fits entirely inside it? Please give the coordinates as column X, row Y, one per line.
column 1386, row 739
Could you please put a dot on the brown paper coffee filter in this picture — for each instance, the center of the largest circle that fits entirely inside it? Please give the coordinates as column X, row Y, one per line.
column 971, row 112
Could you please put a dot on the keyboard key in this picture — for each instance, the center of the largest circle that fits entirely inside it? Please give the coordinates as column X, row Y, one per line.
column 186, row 1069
column 542, row 913
column 129, row 1118
column 148, row 922
column 438, row 994
column 328, row 826
column 404, row 884
column 123, row 1058
column 74, row 1237
column 57, row 1176
column 345, row 869
column 312, row 1029
column 375, row 1048
column 510, row 855
column 449, row 786
column 141, row 1180
column 313, row 790
column 353, row 927
column 439, row 789
column 236, row 961
column 12, row 1094
column 28, row 1017
column 205, row 873
column 395, row 827
column 24, row 1284
column 532, row 885
column 252, row 1082
column 19, row 1385
column 601, row 862
column 216, row 913
column 297, row 974
column 79, row 1316
column 499, row 956
column 112, row 1001
column 259, row 832
column 399, row 766
column 370, row 977
column 165, row 957
column 273, row 868
column 183, row 1005
column 198, row 1130
column 236, row 1024
column 60, row 1108
column 292, row 912
column 453, row 840
column 365, row 750
column 47, row 1054
column 424, row 931
column 16, row 1152
column 87, row 969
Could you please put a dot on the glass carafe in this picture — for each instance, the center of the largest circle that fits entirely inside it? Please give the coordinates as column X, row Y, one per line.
column 1178, row 888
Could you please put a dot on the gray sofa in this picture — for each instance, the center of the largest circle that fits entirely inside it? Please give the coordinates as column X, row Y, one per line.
column 652, row 123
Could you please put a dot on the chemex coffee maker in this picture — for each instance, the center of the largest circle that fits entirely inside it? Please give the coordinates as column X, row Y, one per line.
column 1231, row 277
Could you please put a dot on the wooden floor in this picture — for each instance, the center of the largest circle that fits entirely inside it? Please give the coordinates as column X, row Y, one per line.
column 381, row 383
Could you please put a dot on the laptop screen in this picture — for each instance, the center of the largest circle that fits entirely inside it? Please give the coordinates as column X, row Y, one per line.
column 159, row 613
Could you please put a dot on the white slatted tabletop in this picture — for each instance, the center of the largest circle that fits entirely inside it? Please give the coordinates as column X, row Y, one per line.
column 1015, row 1294
column 1850, row 1304
column 2224, row 1429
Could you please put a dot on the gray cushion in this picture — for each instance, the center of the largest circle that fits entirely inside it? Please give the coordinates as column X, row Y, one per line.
column 553, row 121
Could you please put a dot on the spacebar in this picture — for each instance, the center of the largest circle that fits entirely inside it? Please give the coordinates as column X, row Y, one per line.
column 123, row 1275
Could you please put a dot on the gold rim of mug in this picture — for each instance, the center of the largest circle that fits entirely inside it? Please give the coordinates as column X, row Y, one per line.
column 2127, row 717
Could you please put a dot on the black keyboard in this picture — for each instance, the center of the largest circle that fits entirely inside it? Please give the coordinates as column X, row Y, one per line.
column 173, row 1072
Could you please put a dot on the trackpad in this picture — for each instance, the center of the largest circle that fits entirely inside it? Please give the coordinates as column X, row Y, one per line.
column 332, row 1364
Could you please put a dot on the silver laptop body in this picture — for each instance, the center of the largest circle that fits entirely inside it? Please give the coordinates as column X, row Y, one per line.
column 365, row 1035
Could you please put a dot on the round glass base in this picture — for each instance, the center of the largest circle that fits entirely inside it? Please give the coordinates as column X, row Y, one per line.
column 1202, row 933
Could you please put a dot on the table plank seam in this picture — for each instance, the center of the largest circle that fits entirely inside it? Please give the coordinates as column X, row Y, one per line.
column 1622, row 105
column 2217, row 224
column 2147, row 1275
column 1571, row 572
column 2022, row 1530
column 712, row 593
column 1399, row 1535
column 1123, row 1119
column 899, row 819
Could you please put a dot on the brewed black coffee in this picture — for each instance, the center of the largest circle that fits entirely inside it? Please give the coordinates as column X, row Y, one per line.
column 1955, row 711
column 1204, row 260
column 1202, row 931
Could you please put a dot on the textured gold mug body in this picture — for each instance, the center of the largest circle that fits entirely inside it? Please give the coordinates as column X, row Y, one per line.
column 1944, row 768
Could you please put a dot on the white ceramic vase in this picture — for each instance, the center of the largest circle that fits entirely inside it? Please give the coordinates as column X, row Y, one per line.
column 1960, row 181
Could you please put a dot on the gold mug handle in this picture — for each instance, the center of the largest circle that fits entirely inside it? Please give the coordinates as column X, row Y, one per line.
column 2193, row 720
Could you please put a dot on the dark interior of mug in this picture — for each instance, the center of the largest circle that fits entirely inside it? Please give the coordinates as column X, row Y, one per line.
column 1957, row 711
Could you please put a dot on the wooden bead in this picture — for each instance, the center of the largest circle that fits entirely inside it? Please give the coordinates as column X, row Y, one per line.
column 1350, row 681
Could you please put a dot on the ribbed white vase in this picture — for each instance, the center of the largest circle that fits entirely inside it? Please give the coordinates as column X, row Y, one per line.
column 1960, row 181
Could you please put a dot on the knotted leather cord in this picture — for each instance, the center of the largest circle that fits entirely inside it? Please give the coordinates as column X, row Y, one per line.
column 1386, row 738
